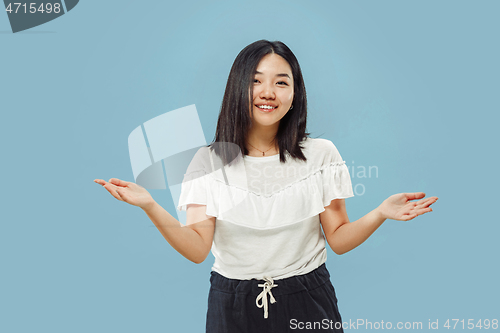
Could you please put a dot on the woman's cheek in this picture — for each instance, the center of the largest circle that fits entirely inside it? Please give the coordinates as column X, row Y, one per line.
column 290, row 97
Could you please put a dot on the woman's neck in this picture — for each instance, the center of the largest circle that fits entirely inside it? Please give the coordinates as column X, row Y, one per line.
column 263, row 140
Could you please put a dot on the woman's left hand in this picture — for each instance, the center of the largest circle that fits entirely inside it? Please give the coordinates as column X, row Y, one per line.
column 399, row 207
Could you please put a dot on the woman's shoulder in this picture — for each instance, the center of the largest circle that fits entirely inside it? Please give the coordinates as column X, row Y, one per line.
column 322, row 150
column 318, row 143
column 198, row 159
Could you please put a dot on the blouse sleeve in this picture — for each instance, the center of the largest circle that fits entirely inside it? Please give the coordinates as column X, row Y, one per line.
column 335, row 176
column 194, row 188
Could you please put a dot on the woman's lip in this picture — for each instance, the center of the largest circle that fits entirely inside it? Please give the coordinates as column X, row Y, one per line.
column 266, row 110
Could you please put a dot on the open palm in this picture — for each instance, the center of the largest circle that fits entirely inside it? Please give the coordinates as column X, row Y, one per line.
column 400, row 207
column 127, row 191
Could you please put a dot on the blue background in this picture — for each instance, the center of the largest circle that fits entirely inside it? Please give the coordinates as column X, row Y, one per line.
column 409, row 87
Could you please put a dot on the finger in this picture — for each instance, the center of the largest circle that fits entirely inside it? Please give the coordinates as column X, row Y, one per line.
column 100, row 181
column 408, row 216
column 424, row 210
column 121, row 193
column 414, row 213
column 119, row 182
column 426, row 202
column 112, row 190
column 421, row 211
column 414, row 195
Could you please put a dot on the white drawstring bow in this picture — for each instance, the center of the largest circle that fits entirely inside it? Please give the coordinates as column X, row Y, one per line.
column 268, row 285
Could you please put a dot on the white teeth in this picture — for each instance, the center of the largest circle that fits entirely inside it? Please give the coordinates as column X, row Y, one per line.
column 269, row 107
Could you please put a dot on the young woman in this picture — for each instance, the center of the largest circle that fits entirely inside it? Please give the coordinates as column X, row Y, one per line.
column 262, row 215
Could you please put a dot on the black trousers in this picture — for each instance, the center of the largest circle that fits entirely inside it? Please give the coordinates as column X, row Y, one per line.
column 303, row 303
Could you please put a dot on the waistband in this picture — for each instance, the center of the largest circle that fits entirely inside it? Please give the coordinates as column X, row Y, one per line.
column 289, row 285
column 262, row 288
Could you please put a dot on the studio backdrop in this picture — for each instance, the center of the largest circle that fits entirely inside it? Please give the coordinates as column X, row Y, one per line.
column 406, row 90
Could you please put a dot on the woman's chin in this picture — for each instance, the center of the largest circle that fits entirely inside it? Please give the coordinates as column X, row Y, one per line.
column 263, row 123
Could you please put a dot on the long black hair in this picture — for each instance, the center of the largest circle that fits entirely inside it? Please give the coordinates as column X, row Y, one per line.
column 234, row 117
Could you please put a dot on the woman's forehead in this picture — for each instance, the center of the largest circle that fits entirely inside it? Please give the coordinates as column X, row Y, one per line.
column 273, row 64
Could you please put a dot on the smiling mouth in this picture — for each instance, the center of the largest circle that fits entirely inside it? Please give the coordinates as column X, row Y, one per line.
column 266, row 108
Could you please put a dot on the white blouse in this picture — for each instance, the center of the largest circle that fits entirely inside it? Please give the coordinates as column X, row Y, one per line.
column 267, row 212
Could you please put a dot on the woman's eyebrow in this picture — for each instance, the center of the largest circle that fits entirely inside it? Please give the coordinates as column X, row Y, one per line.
column 278, row 75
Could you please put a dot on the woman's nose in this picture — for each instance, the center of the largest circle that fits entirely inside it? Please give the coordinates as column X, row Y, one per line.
column 267, row 91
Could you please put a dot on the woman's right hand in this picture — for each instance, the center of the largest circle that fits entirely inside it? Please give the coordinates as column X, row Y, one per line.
column 128, row 192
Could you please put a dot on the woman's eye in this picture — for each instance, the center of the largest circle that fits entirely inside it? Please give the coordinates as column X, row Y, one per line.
column 281, row 83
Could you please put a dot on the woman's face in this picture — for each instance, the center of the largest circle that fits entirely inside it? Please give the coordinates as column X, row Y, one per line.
column 272, row 90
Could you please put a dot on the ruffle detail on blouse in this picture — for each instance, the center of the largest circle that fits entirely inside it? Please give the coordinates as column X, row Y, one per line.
column 194, row 189
column 293, row 203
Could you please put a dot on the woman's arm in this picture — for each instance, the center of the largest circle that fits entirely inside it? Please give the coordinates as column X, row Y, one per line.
column 343, row 236
column 193, row 241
